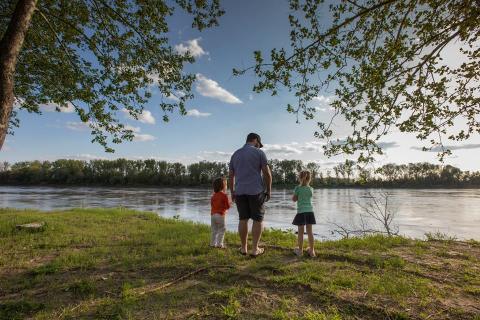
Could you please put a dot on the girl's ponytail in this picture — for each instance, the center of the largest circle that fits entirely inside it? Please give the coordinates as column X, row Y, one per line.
column 305, row 177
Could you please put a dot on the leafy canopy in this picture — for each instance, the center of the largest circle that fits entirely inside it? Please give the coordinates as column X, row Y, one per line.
column 100, row 56
column 383, row 60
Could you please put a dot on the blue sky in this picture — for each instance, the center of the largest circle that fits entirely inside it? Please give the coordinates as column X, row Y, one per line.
column 223, row 111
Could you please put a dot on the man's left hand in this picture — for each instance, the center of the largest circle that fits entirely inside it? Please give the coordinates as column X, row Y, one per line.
column 267, row 196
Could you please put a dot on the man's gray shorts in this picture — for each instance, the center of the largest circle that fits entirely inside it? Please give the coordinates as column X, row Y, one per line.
column 251, row 206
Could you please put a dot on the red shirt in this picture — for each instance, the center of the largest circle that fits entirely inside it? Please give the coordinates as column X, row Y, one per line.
column 220, row 203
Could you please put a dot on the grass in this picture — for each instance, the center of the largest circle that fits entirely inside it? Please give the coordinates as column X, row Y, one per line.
column 121, row 264
column 439, row 236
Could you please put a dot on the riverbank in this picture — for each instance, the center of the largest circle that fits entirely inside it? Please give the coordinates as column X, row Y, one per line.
column 126, row 264
column 208, row 186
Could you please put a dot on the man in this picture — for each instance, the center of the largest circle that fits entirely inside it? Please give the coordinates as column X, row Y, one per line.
column 249, row 191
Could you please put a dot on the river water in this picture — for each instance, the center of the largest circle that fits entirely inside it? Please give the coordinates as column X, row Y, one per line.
column 455, row 212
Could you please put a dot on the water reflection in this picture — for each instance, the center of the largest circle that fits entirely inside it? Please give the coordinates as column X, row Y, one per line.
column 452, row 211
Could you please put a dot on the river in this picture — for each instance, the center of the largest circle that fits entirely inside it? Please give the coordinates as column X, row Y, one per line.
column 455, row 212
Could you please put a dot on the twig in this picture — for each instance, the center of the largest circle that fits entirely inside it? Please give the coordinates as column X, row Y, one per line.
column 188, row 275
column 436, row 314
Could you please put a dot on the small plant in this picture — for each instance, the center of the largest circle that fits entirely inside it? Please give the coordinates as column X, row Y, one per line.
column 395, row 262
column 231, row 310
column 45, row 270
column 439, row 236
column 378, row 210
column 375, row 261
column 82, row 288
column 128, row 295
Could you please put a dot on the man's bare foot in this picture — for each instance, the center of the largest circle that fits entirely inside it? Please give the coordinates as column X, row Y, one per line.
column 257, row 252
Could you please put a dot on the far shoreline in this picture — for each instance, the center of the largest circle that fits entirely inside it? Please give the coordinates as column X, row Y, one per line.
column 208, row 186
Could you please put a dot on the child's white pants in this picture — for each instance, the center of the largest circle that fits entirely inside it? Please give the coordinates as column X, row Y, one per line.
column 218, row 230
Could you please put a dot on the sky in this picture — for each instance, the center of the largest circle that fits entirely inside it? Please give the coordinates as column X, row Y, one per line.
column 223, row 111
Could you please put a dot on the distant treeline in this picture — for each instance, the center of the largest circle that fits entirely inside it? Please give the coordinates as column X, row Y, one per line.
column 122, row 172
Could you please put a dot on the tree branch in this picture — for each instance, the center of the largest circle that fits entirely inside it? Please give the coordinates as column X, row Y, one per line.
column 64, row 47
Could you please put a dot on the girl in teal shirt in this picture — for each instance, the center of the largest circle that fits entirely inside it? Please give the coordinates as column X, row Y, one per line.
column 305, row 217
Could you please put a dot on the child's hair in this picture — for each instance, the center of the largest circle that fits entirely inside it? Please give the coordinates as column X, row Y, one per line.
column 305, row 177
column 218, row 184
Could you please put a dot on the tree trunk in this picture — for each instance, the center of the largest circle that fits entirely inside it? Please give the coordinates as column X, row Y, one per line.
column 10, row 46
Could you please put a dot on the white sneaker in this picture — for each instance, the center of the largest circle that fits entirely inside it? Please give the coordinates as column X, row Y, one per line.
column 298, row 252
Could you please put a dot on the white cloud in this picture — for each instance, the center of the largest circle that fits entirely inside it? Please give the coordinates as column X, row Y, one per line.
column 52, row 107
column 175, row 96
column 295, row 148
column 197, row 114
column 132, row 128
column 192, row 47
column 388, row 144
column 322, row 103
column 77, row 126
column 250, row 97
column 84, row 156
column 217, row 153
column 172, row 97
column 213, row 156
column 137, row 136
column 210, row 88
column 279, row 149
column 313, row 146
column 48, row 107
column 287, row 150
column 322, row 99
column 143, row 137
column 439, row 148
column 273, row 150
column 145, row 117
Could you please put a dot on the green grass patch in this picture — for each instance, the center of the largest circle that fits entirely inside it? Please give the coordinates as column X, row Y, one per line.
column 123, row 264
column 397, row 285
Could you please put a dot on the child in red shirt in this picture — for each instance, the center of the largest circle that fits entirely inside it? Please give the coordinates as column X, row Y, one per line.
column 220, row 205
